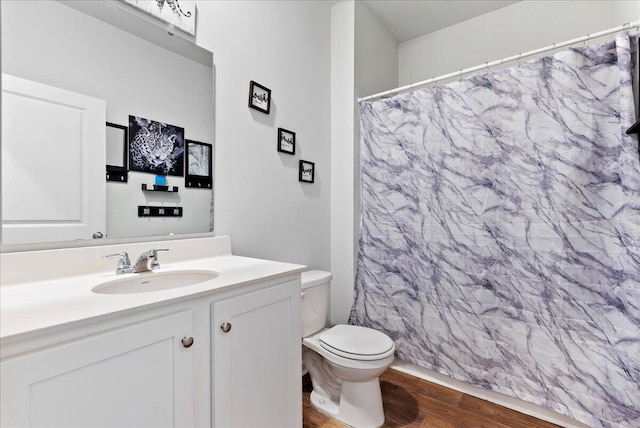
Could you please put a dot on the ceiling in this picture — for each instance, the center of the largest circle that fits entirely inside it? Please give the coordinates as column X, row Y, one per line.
column 408, row 19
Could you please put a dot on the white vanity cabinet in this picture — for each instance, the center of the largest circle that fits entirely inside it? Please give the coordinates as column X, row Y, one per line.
column 135, row 369
column 256, row 351
column 138, row 375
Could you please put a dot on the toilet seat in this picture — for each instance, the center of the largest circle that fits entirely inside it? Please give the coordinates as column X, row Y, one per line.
column 356, row 343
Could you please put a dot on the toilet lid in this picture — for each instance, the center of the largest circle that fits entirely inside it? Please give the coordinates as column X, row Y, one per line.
column 355, row 342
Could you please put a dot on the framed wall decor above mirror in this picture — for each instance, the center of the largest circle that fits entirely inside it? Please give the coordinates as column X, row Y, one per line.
column 109, row 53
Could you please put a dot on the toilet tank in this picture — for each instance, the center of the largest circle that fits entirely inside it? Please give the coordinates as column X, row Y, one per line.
column 315, row 301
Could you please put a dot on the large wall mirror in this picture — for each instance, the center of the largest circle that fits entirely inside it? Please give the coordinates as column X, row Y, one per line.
column 98, row 62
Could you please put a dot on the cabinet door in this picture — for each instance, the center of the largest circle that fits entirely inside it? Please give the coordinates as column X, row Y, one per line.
column 135, row 376
column 256, row 364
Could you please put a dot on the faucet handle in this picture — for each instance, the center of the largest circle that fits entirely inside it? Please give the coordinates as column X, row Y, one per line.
column 154, row 257
column 124, row 264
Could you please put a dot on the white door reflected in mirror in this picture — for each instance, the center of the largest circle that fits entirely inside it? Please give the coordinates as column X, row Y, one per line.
column 53, row 152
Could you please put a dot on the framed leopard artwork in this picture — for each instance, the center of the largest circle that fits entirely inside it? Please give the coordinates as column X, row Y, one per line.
column 155, row 147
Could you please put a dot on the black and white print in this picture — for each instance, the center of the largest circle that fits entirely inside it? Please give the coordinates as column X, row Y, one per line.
column 306, row 171
column 179, row 13
column 259, row 97
column 199, row 165
column 155, row 147
column 286, row 141
column 199, row 159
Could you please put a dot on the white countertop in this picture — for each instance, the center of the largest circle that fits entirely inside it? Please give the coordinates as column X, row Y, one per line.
column 47, row 305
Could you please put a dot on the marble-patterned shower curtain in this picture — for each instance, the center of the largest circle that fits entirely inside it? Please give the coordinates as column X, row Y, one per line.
column 500, row 234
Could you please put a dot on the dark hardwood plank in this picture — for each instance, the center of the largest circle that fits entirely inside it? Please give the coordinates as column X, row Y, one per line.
column 507, row 416
column 414, row 385
column 410, row 402
column 433, row 422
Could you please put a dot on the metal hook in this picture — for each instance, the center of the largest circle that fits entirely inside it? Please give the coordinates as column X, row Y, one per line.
column 432, row 83
column 412, row 87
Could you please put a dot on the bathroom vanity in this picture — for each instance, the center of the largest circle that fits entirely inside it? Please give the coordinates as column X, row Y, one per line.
column 223, row 352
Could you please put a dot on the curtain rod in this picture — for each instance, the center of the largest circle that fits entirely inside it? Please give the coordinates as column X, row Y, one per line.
column 627, row 26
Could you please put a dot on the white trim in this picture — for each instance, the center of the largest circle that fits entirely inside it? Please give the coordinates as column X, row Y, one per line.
column 627, row 26
column 491, row 396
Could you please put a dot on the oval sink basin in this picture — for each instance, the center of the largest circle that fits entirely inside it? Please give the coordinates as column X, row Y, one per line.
column 154, row 281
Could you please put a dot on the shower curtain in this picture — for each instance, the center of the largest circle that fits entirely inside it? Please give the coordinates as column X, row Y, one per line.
column 500, row 231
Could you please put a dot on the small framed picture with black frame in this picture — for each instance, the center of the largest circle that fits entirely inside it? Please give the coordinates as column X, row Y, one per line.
column 199, row 165
column 259, row 97
column 306, row 171
column 286, row 141
column 117, row 152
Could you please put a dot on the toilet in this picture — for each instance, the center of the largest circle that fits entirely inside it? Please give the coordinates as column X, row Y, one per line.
column 344, row 361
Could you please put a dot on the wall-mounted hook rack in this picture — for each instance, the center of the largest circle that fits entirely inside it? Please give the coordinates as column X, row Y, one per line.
column 147, row 211
column 158, row 188
column 116, row 176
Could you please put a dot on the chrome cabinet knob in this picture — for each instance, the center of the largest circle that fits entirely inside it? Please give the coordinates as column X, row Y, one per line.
column 187, row 342
column 226, row 327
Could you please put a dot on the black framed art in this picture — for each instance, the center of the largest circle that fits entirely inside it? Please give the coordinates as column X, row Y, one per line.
column 306, row 171
column 117, row 149
column 259, row 97
column 286, row 141
column 199, row 165
column 155, row 147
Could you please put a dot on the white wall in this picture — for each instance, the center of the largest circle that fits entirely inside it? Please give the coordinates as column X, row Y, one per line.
column 343, row 136
column 376, row 54
column 624, row 11
column 523, row 26
column 363, row 60
column 285, row 46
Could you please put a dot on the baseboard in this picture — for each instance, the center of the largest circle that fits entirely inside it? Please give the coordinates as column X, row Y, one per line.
column 492, row 396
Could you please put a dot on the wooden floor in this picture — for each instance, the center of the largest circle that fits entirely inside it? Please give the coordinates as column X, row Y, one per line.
column 412, row 402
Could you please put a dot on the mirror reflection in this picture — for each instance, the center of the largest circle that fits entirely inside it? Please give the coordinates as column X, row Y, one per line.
column 65, row 75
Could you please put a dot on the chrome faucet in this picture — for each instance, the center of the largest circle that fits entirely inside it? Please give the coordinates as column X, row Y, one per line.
column 124, row 264
column 147, row 261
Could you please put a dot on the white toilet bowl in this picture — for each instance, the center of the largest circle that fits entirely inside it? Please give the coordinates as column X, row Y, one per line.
column 344, row 361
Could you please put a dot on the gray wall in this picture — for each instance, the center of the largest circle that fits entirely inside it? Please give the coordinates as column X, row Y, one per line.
column 520, row 27
column 285, row 46
column 364, row 60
